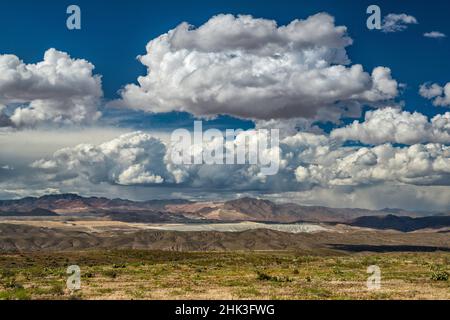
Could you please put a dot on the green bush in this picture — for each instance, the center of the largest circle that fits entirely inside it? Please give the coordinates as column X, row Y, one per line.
column 439, row 275
column 12, row 284
column 15, row 294
column 266, row 277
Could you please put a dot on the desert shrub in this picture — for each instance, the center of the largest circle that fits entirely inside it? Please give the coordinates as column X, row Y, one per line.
column 57, row 289
column 15, row 294
column 7, row 273
column 337, row 271
column 263, row 276
column 111, row 274
column 439, row 275
column 12, row 284
column 89, row 275
column 266, row 277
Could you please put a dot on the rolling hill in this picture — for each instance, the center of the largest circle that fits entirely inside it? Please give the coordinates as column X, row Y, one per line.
column 23, row 238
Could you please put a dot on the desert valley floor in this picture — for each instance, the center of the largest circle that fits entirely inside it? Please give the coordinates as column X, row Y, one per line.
column 245, row 249
column 137, row 261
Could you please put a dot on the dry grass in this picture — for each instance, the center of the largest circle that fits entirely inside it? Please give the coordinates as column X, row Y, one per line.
column 135, row 274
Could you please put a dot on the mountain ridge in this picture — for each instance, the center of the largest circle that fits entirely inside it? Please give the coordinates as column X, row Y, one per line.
column 404, row 224
column 179, row 210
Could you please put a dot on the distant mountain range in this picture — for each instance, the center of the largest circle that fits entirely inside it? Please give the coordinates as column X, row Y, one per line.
column 404, row 224
column 250, row 209
column 37, row 212
column 72, row 203
column 243, row 209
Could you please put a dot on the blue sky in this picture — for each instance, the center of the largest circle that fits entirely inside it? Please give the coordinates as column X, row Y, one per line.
column 115, row 32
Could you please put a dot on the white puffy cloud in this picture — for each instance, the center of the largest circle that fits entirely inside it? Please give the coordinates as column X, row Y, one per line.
column 57, row 90
column 393, row 125
column 251, row 68
column 434, row 34
column 439, row 95
column 307, row 160
column 430, row 91
column 132, row 159
column 416, row 165
column 397, row 22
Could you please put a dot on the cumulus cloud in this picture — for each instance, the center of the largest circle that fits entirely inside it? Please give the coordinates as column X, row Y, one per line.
column 307, row 161
column 397, row 22
column 434, row 34
column 254, row 69
column 393, row 125
column 57, row 90
column 416, row 165
column 132, row 159
column 439, row 95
